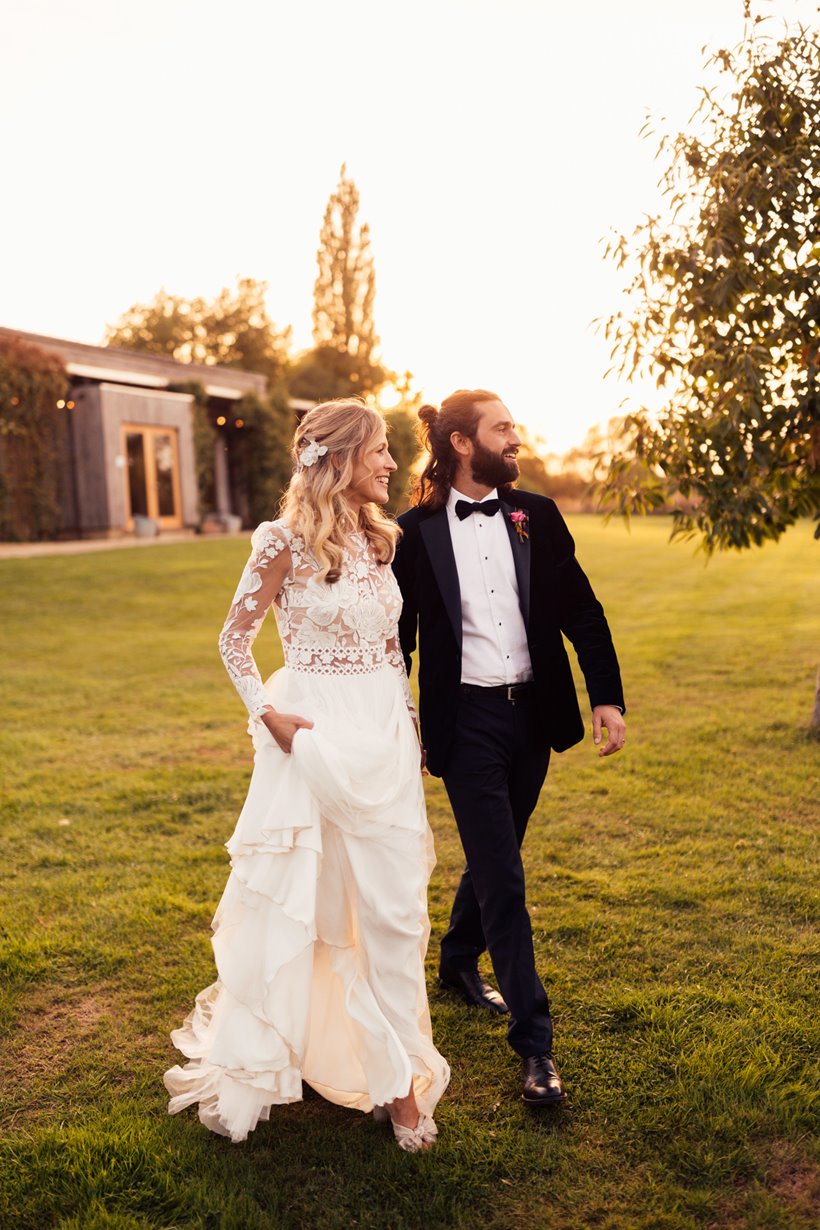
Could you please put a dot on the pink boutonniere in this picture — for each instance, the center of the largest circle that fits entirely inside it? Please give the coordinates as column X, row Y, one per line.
column 521, row 522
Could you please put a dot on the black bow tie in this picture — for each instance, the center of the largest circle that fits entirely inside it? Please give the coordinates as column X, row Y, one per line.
column 488, row 507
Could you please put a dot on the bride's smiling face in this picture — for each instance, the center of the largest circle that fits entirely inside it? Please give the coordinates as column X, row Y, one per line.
column 371, row 473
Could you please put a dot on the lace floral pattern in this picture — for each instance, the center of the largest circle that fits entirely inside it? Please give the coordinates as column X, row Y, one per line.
column 349, row 628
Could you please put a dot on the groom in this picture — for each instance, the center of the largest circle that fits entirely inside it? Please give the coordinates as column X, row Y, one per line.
column 490, row 581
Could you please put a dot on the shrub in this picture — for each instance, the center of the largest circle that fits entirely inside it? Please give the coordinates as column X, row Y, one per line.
column 260, row 453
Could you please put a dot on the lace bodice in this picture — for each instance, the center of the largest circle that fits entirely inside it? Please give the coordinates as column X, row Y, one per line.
column 348, row 628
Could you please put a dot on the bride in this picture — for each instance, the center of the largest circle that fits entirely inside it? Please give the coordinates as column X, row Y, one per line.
column 321, row 932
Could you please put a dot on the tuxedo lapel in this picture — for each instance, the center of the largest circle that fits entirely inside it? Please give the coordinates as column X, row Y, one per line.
column 521, row 558
column 435, row 533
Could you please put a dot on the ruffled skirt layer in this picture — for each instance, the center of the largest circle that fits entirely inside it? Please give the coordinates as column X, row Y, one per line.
column 322, row 930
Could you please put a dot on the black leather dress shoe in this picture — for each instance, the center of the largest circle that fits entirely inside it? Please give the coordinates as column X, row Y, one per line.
column 542, row 1084
column 472, row 988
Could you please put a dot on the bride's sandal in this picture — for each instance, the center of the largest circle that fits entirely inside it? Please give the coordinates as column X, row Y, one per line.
column 412, row 1140
column 427, row 1129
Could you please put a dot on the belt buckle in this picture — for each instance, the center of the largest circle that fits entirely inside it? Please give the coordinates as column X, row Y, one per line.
column 510, row 688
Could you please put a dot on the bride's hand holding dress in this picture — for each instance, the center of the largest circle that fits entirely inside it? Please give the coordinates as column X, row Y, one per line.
column 283, row 726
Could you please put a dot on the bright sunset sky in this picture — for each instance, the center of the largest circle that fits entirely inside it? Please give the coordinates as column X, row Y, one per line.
column 182, row 143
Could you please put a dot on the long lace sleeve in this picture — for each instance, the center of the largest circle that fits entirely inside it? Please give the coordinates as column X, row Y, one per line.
column 265, row 572
column 396, row 660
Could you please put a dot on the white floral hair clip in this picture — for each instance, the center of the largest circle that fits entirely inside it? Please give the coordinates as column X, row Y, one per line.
column 311, row 452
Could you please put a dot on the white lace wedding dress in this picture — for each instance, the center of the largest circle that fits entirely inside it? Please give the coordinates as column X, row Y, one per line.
column 321, row 932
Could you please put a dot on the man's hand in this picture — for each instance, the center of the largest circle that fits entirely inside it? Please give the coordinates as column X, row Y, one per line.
column 283, row 726
column 610, row 717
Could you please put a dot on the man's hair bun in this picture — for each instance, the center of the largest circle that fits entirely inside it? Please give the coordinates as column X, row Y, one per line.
column 428, row 415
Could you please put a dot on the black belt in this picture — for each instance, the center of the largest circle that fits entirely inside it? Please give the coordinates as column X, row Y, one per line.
column 509, row 691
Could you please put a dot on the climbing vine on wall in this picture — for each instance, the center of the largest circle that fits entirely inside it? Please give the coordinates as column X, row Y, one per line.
column 34, row 405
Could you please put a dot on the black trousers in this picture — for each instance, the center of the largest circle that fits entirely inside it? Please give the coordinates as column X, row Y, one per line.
column 494, row 773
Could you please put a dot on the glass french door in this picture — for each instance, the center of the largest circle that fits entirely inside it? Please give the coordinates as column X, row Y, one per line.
column 152, row 474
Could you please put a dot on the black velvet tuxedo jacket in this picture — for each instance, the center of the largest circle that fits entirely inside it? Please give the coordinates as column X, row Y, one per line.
column 555, row 597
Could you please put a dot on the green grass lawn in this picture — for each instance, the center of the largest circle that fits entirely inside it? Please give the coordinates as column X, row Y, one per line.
column 671, row 890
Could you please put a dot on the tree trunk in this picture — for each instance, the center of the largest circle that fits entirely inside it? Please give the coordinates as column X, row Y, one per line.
column 815, row 717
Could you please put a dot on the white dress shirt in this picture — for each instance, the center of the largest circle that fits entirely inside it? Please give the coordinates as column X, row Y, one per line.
column 494, row 639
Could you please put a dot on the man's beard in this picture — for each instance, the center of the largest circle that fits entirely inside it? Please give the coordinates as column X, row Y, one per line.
column 491, row 469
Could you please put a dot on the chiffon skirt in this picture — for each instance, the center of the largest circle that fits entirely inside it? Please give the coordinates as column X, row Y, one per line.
column 321, row 932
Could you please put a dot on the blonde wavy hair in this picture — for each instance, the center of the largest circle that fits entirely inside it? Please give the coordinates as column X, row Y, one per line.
column 314, row 504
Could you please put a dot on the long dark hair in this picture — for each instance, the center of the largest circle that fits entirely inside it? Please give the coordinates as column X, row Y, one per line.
column 459, row 412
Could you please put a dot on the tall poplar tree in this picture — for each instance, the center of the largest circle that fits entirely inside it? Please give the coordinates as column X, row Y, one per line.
column 344, row 332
